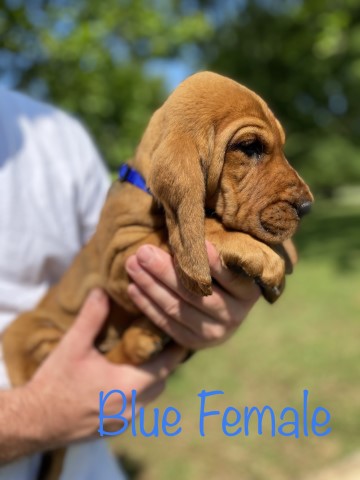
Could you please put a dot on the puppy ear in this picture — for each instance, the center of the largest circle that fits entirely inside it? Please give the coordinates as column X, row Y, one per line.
column 177, row 181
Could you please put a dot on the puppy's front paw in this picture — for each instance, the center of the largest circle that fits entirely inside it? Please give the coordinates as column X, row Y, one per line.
column 262, row 264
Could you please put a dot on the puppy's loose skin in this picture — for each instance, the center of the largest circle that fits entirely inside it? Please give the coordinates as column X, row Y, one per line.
column 213, row 144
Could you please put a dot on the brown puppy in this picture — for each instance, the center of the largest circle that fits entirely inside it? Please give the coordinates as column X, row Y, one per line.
column 215, row 145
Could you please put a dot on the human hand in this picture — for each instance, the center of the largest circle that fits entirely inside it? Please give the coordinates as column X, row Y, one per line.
column 193, row 322
column 66, row 386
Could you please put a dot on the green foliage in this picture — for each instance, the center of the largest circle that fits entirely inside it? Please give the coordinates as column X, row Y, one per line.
column 92, row 58
column 303, row 57
column 89, row 57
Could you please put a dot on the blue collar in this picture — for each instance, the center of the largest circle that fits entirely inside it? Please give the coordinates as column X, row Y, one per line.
column 130, row 175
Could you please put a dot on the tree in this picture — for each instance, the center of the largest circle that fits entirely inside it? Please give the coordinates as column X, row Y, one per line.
column 303, row 58
column 91, row 58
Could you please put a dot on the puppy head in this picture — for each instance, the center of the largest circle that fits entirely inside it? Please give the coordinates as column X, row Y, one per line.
column 258, row 191
column 215, row 143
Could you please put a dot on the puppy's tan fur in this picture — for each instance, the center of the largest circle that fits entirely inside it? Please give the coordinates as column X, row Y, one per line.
column 194, row 154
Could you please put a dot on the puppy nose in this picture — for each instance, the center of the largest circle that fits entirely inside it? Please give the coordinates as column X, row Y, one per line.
column 303, row 208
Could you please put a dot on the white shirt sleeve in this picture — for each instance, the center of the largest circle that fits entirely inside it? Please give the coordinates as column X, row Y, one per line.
column 93, row 181
column 52, row 186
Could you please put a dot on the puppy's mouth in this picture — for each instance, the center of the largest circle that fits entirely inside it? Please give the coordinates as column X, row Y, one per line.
column 278, row 222
column 274, row 224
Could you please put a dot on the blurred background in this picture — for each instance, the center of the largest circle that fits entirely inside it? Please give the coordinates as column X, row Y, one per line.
column 111, row 63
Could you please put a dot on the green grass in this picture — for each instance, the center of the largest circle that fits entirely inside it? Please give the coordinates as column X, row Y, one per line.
column 309, row 339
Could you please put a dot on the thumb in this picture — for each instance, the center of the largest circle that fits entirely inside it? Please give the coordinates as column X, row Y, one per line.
column 89, row 321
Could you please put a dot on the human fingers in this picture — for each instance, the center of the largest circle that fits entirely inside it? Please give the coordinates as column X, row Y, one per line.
column 160, row 265
column 187, row 325
column 153, row 272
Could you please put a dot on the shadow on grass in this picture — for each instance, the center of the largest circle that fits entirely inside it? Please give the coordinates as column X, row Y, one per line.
column 331, row 232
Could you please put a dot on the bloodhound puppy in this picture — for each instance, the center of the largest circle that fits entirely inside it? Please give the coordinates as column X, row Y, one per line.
column 212, row 158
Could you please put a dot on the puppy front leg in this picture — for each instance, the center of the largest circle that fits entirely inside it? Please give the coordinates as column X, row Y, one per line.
column 242, row 253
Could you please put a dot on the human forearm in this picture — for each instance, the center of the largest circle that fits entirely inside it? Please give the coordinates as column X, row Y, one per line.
column 21, row 424
column 60, row 404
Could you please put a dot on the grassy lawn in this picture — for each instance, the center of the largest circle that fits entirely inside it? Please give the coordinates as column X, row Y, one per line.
column 309, row 340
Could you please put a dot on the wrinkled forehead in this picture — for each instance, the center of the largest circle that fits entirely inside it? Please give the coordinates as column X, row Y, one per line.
column 250, row 107
column 210, row 100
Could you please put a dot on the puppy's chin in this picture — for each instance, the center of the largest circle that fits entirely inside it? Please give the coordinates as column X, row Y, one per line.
column 277, row 222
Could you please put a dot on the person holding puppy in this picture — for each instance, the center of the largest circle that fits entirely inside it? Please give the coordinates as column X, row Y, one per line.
column 53, row 184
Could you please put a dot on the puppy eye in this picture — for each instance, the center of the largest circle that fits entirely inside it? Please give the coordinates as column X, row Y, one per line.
column 253, row 148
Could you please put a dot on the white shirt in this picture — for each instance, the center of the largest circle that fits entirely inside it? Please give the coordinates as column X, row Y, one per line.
column 52, row 187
